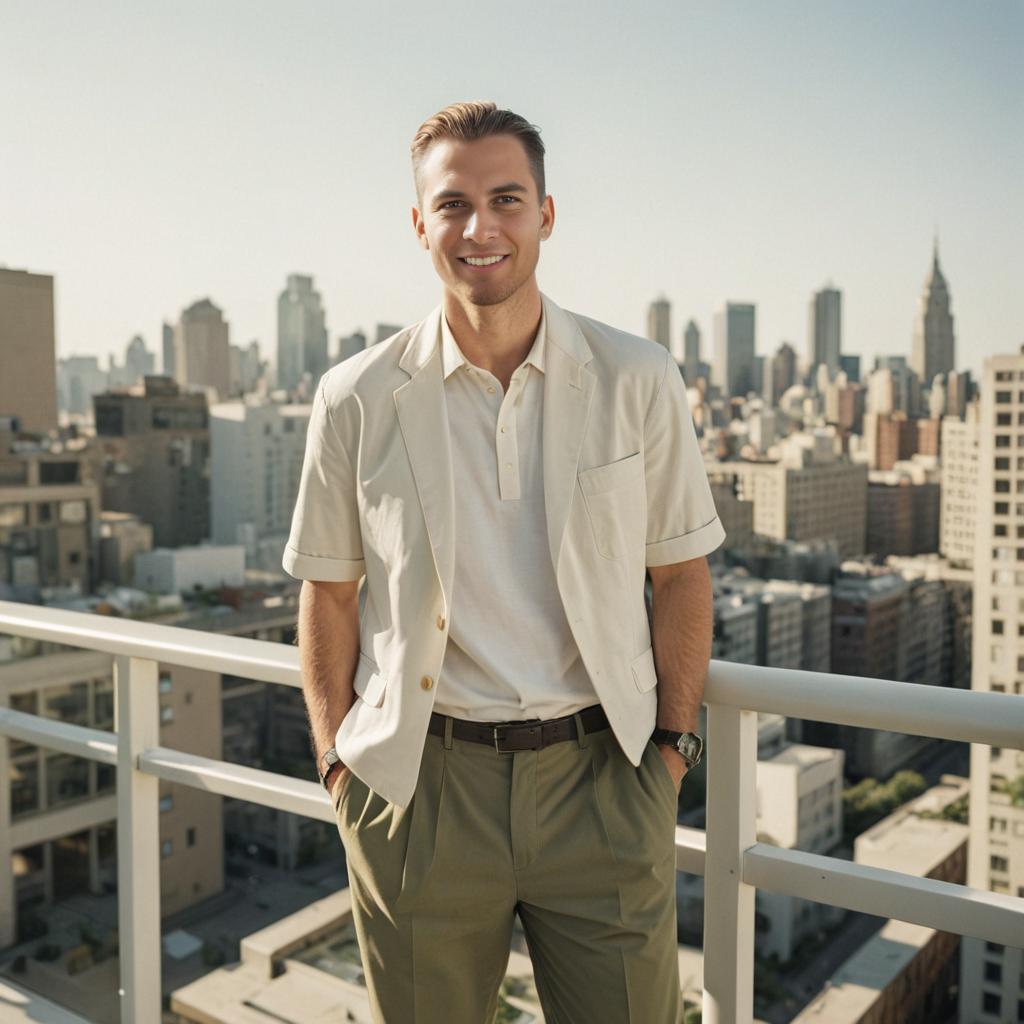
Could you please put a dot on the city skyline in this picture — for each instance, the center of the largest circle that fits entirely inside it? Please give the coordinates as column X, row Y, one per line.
column 752, row 163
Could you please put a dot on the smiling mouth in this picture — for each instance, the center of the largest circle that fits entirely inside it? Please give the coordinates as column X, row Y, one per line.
column 482, row 261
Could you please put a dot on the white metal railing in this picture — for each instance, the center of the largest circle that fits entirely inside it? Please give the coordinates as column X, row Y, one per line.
column 733, row 863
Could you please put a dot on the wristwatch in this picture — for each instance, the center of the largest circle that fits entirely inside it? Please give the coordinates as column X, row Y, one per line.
column 327, row 761
column 689, row 744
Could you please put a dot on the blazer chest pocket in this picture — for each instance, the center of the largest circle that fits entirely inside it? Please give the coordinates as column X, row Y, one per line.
column 615, row 502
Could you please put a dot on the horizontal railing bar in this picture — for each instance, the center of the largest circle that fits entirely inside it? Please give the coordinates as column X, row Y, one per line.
column 947, row 906
column 264, row 660
column 919, row 709
column 77, row 740
column 954, row 714
column 240, row 782
column 691, row 849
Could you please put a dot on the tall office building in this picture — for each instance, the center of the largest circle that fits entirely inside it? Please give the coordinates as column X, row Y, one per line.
column 255, row 464
column 139, row 362
column 782, row 372
column 691, row 352
column 825, row 329
column 202, row 349
column 934, row 343
column 167, row 340
column 27, row 342
column 301, row 333
column 155, row 445
column 992, row 976
column 959, row 495
column 659, row 317
column 735, row 328
column 350, row 344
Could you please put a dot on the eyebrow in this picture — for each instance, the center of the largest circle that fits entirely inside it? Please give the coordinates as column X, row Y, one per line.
column 512, row 186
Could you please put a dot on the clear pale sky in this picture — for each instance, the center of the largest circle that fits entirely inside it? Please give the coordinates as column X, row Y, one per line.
column 155, row 153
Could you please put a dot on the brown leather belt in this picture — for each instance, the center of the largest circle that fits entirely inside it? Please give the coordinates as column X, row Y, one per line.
column 532, row 734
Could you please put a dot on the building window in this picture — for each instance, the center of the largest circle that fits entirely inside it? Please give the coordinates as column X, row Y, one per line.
column 166, row 713
column 191, row 837
column 72, row 512
column 991, row 1003
column 993, row 971
column 997, row 863
column 165, row 682
column 166, row 803
column 166, row 848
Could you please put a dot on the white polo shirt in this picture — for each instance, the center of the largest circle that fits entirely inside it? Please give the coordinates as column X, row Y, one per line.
column 510, row 652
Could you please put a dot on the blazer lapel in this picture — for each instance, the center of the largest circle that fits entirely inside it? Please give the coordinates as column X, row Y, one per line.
column 568, row 391
column 423, row 419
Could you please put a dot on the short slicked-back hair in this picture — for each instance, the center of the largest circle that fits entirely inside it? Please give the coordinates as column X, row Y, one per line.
column 474, row 120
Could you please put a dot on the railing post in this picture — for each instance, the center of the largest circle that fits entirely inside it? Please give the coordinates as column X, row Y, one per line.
column 8, row 911
column 138, row 840
column 728, row 901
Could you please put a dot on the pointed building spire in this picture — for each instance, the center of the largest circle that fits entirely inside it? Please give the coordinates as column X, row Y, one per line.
column 935, row 250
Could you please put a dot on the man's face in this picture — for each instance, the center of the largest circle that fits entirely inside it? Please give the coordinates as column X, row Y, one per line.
column 479, row 201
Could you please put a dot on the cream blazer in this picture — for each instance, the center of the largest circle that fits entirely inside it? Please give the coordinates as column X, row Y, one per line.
column 624, row 488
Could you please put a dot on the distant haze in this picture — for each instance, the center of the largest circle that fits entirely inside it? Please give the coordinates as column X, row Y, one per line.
column 154, row 154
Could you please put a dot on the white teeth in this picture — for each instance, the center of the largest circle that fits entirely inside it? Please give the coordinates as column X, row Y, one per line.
column 485, row 261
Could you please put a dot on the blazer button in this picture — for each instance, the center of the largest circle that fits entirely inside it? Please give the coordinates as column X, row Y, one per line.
column 440, row 622
column 426, row 682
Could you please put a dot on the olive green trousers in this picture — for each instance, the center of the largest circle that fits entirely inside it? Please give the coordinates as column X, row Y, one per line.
column 573, row 838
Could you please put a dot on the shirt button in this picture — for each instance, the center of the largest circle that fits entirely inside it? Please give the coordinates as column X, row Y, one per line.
column 426, row 682
column 440, row 622
column 490, row 390
column 508, row 465
column 503, row 430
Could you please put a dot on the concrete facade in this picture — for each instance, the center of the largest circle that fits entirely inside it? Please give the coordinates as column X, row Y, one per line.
column 201, row 349
column 154, row 443
column 959, row 497
column 992, row 978
column 28, row 342
column 49, row 507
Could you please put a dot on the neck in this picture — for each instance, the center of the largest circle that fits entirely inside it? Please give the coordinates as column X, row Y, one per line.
column 496, row 338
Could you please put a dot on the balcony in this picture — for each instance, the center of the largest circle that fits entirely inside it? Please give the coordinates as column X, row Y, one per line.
column 733, row 863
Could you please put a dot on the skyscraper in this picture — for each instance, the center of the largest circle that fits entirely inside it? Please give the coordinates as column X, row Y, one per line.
column 139, row 362
column 27, row 342
column 934, row 342
column 301, row 333
column 782, row 372
column 659, row 314
column 992, row 976
column 167, row 337
column 201, row 348
column 825, row 329
column 735, row 327
column 691, row 352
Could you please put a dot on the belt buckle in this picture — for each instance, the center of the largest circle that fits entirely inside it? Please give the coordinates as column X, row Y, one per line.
column 496, row 747
column 533, row 725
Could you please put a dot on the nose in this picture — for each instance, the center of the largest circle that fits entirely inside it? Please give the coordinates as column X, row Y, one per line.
column 481, row 226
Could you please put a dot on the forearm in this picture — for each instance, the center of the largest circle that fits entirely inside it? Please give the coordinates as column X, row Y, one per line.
column 328, row 635
column 682, row 622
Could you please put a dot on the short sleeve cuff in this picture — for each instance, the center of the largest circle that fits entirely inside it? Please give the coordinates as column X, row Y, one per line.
column 701, row 541
column 321, row 568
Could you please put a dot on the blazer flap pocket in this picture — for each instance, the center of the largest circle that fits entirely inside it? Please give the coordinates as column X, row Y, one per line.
column 369, row 682
column 643, row 671
column 608, row 477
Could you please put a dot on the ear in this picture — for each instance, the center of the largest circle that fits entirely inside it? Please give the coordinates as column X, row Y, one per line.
column 547, row 217
column 420, row 228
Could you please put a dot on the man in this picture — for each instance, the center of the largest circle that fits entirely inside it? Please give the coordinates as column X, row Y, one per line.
column 504, row 474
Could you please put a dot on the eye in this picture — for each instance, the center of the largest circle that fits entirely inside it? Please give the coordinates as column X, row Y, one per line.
column 451, row 203
column 513, row 199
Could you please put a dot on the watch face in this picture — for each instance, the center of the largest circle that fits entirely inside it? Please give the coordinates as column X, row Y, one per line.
column 691, row 747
